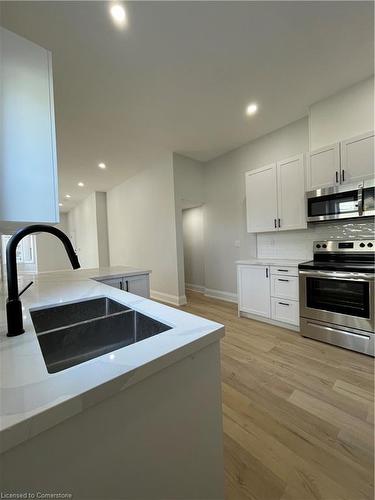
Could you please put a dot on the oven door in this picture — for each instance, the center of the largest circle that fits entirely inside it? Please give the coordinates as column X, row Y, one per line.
column 337, row 202
column 342, row 298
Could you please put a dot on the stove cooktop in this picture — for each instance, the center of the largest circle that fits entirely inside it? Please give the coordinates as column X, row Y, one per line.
column 355, row 267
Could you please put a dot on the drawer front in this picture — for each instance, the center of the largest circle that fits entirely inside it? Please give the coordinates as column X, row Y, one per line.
column 284, row 287
column 284, row 270
column 286, row 311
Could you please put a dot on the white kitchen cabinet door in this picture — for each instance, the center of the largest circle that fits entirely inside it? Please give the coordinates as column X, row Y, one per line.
column 291, row 193
column 357, row 158
column 139, row 285
column 323, row 167
column 114, row 282
column 254, row 290
column 261, row 199
column 28, row 167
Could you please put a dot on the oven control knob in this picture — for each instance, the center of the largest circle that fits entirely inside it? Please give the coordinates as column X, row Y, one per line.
column 324, row 245
column 370, row 245
column 362, row 245
column 318, row 246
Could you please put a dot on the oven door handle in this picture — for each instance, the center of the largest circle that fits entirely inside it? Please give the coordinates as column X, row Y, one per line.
column 336, row 275
column 336, row 330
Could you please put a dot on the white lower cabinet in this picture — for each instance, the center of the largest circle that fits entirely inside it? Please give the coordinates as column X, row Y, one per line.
column 254, row 290
column 138, row 284
column 114, row 282
column 269, row 292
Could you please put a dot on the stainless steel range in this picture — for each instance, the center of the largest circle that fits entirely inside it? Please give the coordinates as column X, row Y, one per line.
column 337, row 294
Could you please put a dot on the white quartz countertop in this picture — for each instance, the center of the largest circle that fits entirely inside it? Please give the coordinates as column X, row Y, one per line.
column 271, row 262
column 33, row 400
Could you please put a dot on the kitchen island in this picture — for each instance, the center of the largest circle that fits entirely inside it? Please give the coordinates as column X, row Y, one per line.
column 143, row 421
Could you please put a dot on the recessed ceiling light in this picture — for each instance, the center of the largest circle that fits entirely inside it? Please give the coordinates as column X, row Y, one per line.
column 60, row 204
column 67, row 196
column 80, row 184
column 252, row 109
column 118, row 14
column 102, row 165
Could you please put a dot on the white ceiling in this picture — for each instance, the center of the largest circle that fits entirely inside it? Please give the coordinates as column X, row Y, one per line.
column 179, row 77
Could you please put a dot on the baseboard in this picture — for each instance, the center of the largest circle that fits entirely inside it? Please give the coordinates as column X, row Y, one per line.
column 169, row 299
column 270, row 321
column 195, row 288
column 219, row 294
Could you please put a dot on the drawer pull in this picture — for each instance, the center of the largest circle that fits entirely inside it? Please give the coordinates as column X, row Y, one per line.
column 280, row 279
column 284, row 304
column 283, row 270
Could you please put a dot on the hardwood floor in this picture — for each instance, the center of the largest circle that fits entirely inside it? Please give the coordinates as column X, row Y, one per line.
column 298, row 414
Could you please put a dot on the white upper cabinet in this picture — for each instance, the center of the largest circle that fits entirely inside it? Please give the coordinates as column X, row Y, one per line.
column 349, row 161
column 261, row 199
column 28, row 174
column 357, row 158
column 291, row 193
column 323, row 168
column 275, row 196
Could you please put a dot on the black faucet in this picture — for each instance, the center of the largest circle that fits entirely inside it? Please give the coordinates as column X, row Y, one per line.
column 14, row 306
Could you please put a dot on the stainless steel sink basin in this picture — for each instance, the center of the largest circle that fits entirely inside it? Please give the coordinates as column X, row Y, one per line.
column 70, row 334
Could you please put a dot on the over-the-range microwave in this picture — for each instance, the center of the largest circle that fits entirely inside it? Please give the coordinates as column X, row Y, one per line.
column 341, row 202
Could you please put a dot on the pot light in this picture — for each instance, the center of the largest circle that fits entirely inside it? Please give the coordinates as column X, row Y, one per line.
column 60, row 204
column 252, row 109
column 102, row 165
column 80, row 184
column 67, row 196
column 118, row 14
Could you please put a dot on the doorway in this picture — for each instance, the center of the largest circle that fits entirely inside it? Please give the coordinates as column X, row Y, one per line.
column 193, row 244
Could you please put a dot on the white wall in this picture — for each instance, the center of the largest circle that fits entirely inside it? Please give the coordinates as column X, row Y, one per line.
column 188, row 193
column 225, row 215
column 193, row 236
column 84, row 233
column 343, row 115
column 50, row 252
column 88, row 230
column 142, row 228
column 102, row 227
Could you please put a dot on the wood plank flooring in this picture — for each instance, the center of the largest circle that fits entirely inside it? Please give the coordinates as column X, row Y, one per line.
column 298, row 414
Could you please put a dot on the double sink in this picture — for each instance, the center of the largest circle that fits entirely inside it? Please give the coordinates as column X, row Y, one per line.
column 72, row 333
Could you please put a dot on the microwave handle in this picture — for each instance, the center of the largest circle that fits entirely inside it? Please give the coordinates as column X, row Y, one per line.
column 360, row 201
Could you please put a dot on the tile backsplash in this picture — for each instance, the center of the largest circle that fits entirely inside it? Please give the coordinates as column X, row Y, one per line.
column 299, row 244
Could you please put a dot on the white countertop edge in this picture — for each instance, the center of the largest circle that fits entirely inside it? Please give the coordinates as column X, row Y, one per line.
column 270, row 262
column 50, row 417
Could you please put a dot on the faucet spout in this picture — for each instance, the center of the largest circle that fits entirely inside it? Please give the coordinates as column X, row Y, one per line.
column 14, row 306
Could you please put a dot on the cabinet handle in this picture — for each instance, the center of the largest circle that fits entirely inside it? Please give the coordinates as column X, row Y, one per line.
column 121, row 285
column 280, row 279
column 343, row 176
column 284, row 304
column 127, row 285
column 279, row 223
column 274, row 221
column 266, row 272
column 283, row 270
column 337, row 176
